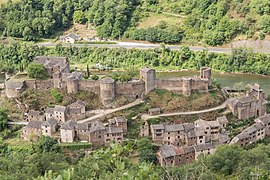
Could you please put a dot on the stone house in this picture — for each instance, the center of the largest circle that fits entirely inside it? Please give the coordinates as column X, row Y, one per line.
column 58, row 112
column 175, row 156
column 13, row 88
column 205, row 149
column 252, row 105
column 54, row 66
column 76, row 110
column 97, row 133
column 49, row 127
column 70, row 38
column 175, row 134
column 258, row 131
column 211, row 129
column 223, row 121
column 154, row 111
column 144, row 129
column 265, row 120
column 33, row 115
column 114, row 134
column 250, row 135
column 118, row 122
column 169, row 155
column 67, row 131
column 32, row 131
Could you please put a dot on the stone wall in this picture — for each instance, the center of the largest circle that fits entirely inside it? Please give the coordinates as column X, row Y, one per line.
column 130, row 89
column 39, row 84
column 89, row 85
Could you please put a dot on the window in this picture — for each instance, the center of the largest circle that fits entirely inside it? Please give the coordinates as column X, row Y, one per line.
column 169, row 138
column 168, row 132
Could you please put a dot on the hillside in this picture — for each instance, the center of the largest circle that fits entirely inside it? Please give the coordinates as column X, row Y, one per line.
column 208, row 22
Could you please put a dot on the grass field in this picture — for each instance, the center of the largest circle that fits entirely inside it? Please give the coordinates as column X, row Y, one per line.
column 154, row 19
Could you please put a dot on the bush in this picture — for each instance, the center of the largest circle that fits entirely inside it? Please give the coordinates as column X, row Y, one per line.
column 36, row 71
column 94, row 77
column 58, row 96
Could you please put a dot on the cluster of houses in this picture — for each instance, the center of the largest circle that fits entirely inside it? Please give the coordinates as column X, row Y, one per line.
column 65, row 120
column 72, row 38
column 182, row 143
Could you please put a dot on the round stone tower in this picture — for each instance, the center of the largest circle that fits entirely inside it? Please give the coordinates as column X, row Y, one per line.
column 107, row 90
column 187, row 86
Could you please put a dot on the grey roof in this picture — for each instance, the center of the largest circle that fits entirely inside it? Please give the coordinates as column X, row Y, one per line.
column 49, row 122
column 50, row 60
column 157, row 126
column 223, row 138
column 146, row 69
column 202, row 147
column 33, row 113
column 70, row 125
column 188, row 127
column 83, row 126
column 114, row 129
column 120, row 119
column 49, row 111
column 173, row 127
column 154, row 110
column 107, row 80
column 60, row 108
column 72, row 110
column 258, row 125
column 34, row 124
column 222, row 120
column 79, row 102
column 242, row 135
column 96, row 126
column 73, row 36
column 256, row 87
column 167, row 151
column 265, row 119
column 246, row 99
column 73, row 76
column 188, row 149
column 191, row 134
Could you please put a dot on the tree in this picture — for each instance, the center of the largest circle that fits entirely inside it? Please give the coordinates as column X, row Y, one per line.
column 146, row 151
column 37, row 71
column 46, row 144
column 79, row 17
column 58, row 96
column 3, row 119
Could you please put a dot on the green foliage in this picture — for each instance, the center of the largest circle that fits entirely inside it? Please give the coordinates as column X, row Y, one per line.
column 94, row 77
column 79, row 17
column 3, row 120
column 58, row 96
column 36, row 71
column 46, row 144
column 146, row 151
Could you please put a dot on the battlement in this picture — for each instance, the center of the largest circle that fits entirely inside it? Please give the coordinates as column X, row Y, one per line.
column 107, row 88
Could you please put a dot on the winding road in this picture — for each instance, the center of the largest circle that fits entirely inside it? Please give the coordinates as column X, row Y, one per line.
column 222, row 106
column 103, row 113
column 131, row 45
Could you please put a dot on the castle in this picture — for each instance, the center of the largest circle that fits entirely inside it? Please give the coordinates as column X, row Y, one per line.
column 60, row 77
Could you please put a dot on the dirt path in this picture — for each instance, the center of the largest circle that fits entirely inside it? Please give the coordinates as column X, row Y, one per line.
column 103, row 113
column 222, row 106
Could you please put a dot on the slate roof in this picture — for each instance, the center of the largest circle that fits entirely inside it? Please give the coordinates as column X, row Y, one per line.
column 206, row 146
column 50, row 60
column 49, row 111
column 167, row 151
column 246, row 99
column 188, row 149
column 14, row 84
column 49, row 122
column 154, row 110
column 83, row 126
column 79, row 102
column 96, row 126
column 70, row 125
column 73, row 36
column 264, row 119
column 145, row 69
column 157, row 126
column 60, row 108
column 34, row 124
column 120, row 119
column 223, row 138
column 33, row 113
column 114, row 130
column 174, row 127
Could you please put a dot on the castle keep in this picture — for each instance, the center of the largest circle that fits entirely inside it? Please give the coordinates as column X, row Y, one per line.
column 60, row 77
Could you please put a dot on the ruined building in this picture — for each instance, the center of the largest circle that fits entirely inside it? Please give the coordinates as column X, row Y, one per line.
column 58, row 69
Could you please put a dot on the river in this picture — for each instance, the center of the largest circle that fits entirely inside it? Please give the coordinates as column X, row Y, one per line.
column 225, row 79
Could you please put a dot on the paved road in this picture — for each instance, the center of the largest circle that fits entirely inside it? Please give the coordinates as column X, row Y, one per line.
column 106, row 112
column 149, row 46
column 17, row 123
column 222, row 106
